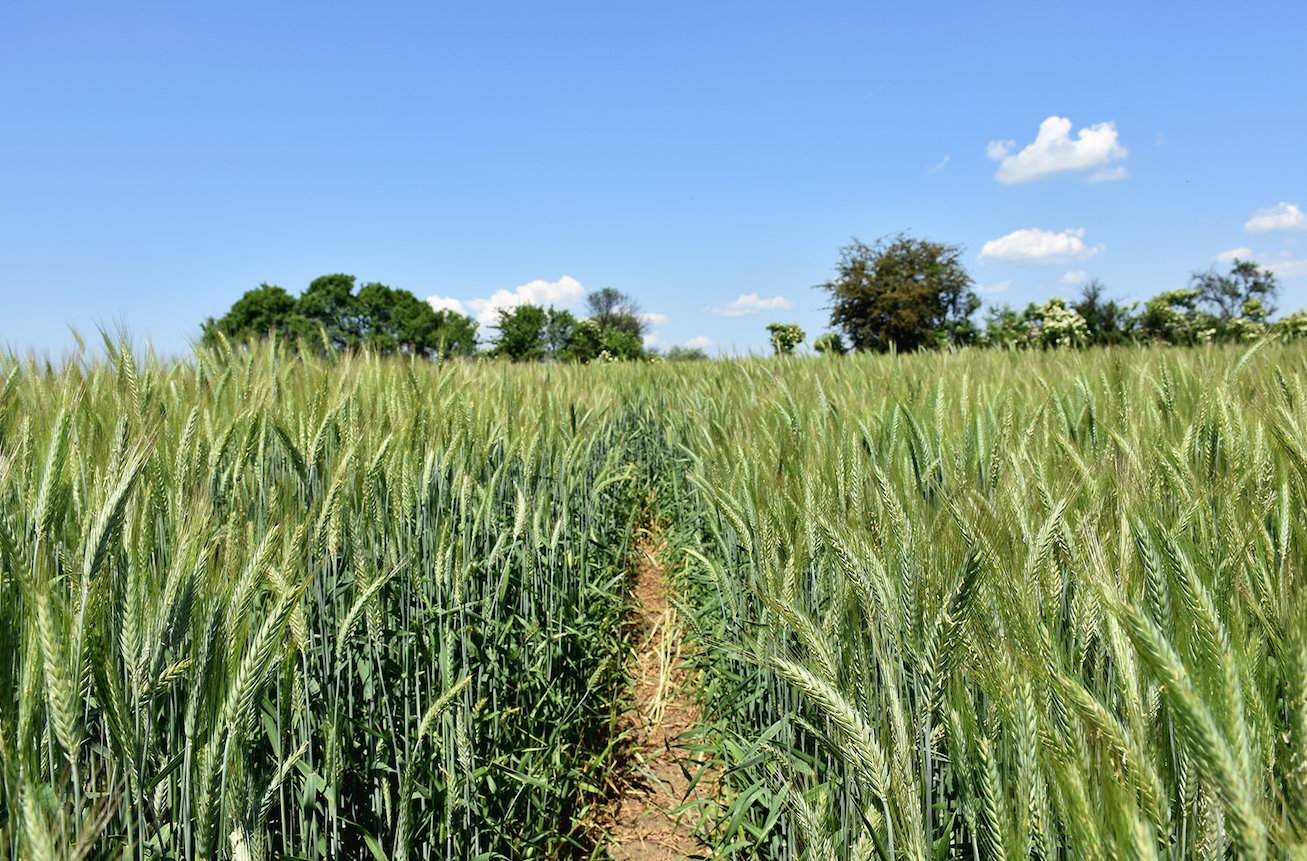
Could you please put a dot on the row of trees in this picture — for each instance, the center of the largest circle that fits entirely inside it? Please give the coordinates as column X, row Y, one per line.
column 332, row 314
column 910, row 294
column 614, row 330
column 901, row 293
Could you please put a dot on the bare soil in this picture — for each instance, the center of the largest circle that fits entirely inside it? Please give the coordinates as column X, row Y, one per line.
column 657, row 810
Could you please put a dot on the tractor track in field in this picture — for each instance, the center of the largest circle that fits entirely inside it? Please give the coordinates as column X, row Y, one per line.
column 655, row 814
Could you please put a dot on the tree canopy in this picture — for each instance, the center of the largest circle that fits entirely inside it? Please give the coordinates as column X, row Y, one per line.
column 785, row 337
column 614, row 311
column 1216, row 306
column 904, row 293
column 529, row 333
column 1225, row 295
column 382, row 318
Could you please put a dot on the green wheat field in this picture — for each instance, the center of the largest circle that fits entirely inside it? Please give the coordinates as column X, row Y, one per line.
column 967, row 605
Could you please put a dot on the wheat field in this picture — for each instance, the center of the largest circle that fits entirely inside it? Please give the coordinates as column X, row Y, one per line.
column 970, row 605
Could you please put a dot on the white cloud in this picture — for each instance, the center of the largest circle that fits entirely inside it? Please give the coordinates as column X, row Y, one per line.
column 998, row 150
column 939, row 165
column 653, row 318
column 699, row 342
column 750, row 303
column 1074, row 278
column 1283, row 216
column 1240, row 253
column 1055, row 151
column 446, row 303
column 565, row 291
column 1289, row 268
column 991, row 289
column 1032, row 245
column 1109, row 174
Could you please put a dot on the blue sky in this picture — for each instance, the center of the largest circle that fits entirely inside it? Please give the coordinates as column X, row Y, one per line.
column 156, row 160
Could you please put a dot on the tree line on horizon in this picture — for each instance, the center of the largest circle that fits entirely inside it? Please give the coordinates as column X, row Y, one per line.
column 907, row 294
column 332, row 315
column 900, row 293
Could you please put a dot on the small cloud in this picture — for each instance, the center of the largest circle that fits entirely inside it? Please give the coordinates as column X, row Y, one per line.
column 1074, row 278
column 993, row 289
column 1033, row 245
column 651, row 339
column 1282, row 216
column 1289, row 268
column 939, row 165
column 699, row 342
column 1054, row 151
column 1240, row 253
column 446, row 303
column 750, row 303
column 653, row 318
column 998, row 150
column 1109, row 174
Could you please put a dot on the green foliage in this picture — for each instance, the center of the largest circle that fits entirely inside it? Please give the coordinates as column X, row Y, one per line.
column 584, row 344
column 622, row 344
column 613, row 332
column 903, row 294
column 1226, row 295
column 1173, row 317
column 1053, row 324
column 330, row 314
column 1108, row 322
column 1005, row 328
column 686, row 354
column 258, row 605
column 263, row 312
column 1050, row 324
column 956, row 605
column 560, row 332
column 977, row 605
column 614, row 311
column 523, row 334
column 785, row 337
column 329, row 303
column 830, row 344
column 1292, row 327
column 396, row 320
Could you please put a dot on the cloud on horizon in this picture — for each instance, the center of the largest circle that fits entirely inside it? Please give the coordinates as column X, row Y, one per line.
column 750, row 303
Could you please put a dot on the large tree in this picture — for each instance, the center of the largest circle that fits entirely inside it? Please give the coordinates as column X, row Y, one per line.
column 522, row 334
column 1108, row 321
column 560, row 330
column 904, row 293
column 613, row 310
column 393, row 319
column 329, row 302
column 1225, row 295
column 262, row 312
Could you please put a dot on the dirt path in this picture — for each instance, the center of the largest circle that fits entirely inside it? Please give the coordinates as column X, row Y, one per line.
column 646, row 824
